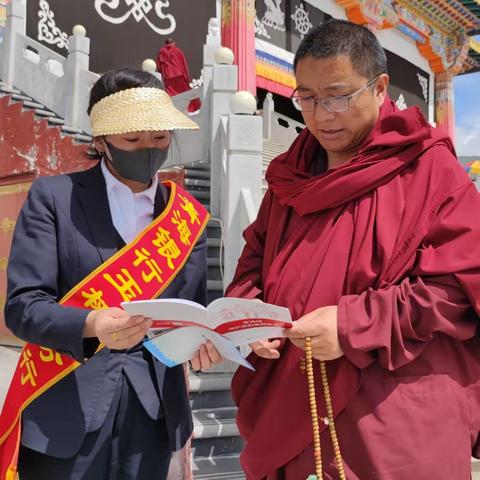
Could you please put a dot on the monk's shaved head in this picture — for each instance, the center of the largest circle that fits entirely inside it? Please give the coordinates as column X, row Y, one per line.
column 341, row 38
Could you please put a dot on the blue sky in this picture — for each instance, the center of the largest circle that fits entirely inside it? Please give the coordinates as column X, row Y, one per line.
column 467, row 113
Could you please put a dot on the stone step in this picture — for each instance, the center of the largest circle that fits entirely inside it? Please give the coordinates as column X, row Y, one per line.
column 215, row 285
column 72, row 130
column 213, row 248
column 40, row 112
column 31, row 105
column 199, row 165
column 214, row 229
column 20, row 97
column 213, row 242
column 210, row 390
column 197, row 173
column 215, row 433
column 215, row 399
column 197, row 182
column 214, row 422
column 213, row 262
column 200, row 194
column 82, row 138
column 215, row 447
column 55, row 121
column 225, row 467
column 214, row 273
column 10, row 91
column 213, row 222
column 202, row 382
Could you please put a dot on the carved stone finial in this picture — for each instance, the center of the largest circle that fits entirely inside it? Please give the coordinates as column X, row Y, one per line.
column 79, row 31
column 149, row 65
column 243, row 103
column 224, row 56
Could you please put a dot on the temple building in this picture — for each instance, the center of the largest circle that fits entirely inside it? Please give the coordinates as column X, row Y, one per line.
column 51, row 55
column 427, row 43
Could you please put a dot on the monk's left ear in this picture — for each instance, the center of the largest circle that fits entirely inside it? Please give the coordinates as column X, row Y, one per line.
column 381, row 87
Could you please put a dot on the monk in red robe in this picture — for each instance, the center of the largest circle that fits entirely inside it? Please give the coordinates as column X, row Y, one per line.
column 369, row 233
column 172, row 65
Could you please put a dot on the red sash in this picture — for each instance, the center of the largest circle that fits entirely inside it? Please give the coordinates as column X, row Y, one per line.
column 139, row 271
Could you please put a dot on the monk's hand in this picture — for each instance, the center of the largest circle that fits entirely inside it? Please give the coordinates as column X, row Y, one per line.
column 115, row 328
column 321, row 326
column 266, row 349
column 206, row 357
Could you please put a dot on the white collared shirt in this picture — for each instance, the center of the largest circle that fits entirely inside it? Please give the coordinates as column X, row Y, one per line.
column 131, row 212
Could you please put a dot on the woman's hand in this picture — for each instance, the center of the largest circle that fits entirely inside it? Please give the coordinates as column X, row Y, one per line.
column 115, row 328
column 206, row 356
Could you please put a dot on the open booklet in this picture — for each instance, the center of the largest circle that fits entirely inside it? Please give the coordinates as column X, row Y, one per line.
column 181, row 326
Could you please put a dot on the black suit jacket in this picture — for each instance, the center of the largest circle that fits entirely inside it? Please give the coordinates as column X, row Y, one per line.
column 64, row 232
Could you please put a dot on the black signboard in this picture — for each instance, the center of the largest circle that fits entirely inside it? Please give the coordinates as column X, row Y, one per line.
column 409, row 84
column 123, row 32
column 285, row 22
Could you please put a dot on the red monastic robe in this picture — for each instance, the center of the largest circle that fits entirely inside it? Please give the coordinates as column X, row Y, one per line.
column 393, row 238
column 172, row 65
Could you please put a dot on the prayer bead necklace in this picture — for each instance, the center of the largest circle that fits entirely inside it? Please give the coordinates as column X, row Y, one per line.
column 329, row 420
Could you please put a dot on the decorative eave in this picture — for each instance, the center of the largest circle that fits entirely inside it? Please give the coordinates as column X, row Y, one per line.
column 439, row 27
column 448, row 15
column 474, row 7
column 473, row 62
column 375, row 14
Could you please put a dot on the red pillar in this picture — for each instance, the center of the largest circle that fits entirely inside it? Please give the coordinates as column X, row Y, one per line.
column 238, row 34
column 444, row 103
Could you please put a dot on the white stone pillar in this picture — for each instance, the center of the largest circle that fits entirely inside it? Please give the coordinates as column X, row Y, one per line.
column 211, row 46
column 224, row 85
column 16, row 25
column 78, row 60
column 242, row 190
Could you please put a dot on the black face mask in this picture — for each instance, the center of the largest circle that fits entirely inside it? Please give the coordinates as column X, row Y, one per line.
column 139, row 165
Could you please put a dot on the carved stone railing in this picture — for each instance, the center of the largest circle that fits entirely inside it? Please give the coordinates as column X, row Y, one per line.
column 279, row 128
column 240, row 167
column 60, row 83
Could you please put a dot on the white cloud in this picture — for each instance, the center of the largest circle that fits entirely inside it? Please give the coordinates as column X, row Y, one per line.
column 467, row 141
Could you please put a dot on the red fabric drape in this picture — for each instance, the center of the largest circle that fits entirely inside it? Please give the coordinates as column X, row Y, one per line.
column 391, row 238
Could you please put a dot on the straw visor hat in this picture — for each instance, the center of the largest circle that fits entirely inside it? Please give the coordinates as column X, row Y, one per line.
column 137, row 110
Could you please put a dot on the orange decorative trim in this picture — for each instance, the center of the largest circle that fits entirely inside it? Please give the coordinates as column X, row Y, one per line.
column 435, row 61
column 356, row 12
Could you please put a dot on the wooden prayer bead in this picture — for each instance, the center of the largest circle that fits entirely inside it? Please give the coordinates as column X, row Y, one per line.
column 307, row 365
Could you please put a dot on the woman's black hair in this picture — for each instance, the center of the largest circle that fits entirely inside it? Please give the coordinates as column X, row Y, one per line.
column 121, row 79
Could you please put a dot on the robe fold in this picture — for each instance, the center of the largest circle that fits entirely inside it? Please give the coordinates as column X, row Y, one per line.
column 393, row 238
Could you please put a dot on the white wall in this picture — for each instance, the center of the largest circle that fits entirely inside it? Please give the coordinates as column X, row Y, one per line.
column 330, row 7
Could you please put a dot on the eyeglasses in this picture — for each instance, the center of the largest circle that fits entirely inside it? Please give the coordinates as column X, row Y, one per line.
column 337, row 104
